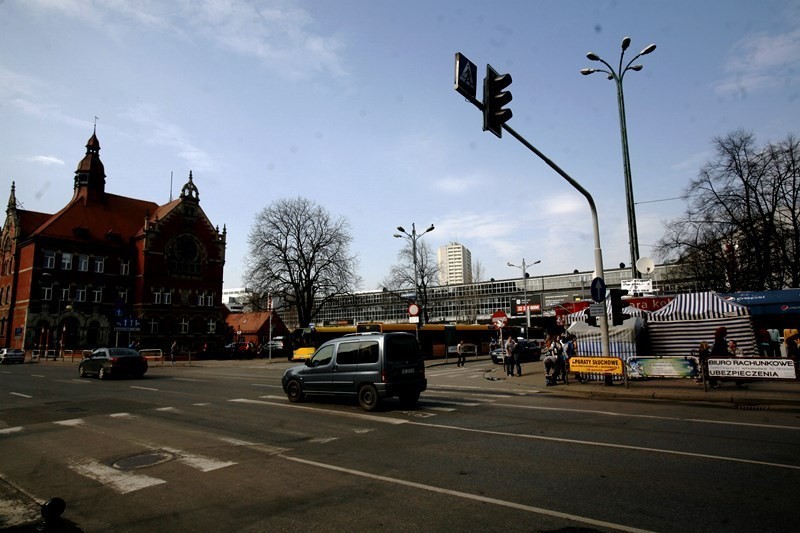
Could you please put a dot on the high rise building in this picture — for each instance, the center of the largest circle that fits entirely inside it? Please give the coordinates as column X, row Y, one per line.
column 455, row 264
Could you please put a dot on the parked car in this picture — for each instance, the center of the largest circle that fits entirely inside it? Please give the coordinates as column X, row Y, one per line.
column 240, row 349
column 113, row 362
column 365, row 366
column 11, row 355
column 531, row 351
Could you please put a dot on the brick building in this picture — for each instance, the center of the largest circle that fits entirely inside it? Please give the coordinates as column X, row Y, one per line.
column 107, row 269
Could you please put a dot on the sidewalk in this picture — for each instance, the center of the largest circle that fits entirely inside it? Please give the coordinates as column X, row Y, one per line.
column 759, row 393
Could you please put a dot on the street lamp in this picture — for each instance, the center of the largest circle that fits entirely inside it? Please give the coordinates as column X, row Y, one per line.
column 525, row 293
column 617, row 76
column 413, row 236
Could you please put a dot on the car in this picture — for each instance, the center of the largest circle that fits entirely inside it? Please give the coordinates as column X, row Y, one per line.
column 11, row 355
column 531, row 351
column 113, row 362
column 369, row 367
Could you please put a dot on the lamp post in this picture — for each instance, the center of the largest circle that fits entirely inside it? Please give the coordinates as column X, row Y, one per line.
column 413, row 236
column 525, row 293
column 617, row 76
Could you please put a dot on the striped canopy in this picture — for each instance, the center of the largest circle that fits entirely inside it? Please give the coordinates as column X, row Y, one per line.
column 678, row 328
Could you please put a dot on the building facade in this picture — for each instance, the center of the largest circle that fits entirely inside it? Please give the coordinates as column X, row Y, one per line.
column 473, row 303
column 107, row 269
column 455, row 264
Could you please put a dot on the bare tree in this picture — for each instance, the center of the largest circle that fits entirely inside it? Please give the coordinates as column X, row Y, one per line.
column 741, row 230
column 300, row 254
column 401, row 275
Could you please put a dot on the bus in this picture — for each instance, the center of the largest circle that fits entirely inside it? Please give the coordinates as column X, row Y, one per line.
column 436, row 339
column 305, row 341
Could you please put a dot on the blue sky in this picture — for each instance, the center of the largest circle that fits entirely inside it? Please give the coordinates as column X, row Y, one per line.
column 351, row 104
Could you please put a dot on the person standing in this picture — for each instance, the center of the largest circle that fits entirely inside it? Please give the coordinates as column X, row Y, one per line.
column 517, row 353
column 774, row 342
column 509, row 355
column 173, row 350
column 462, row 358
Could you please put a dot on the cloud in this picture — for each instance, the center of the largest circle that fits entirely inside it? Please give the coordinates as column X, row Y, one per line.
column 761, row 61
column 45, row 160
column 455, row 185
column 155, row 130
column 279, row 33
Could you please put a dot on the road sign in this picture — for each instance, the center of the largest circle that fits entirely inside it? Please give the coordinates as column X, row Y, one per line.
column 466, row 77
column 499, row 319
column 598, row 290
column 413, row 310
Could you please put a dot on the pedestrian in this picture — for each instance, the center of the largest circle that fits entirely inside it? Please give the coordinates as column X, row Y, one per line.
column 703, row 353
column 517, row 353
column 173, row 350
column 462, row 357
column 569, row 353
column 719, row 350
column 509, row 355
column 774, row 342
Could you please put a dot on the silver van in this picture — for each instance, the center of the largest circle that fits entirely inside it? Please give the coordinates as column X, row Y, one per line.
column 366, row 366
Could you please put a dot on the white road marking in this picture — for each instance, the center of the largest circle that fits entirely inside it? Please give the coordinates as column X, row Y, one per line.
column 469, row 496
column 14, row 429
column 609, row 445
column 20, row 395
column 448, row 402
column 72, row 422
column 120, row 415
column 323, row 411
column 143, row 388
column 202, row 404
column 198, row 462
column 272, row 397
column 271, row 450
column 445, row 409
column 191, row 379
column 165, row 409
column 652, row 417
column 323, row 440
column 121, row 482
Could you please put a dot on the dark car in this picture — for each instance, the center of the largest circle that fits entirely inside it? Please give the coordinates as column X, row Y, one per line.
column 530, row 351
column 113, row 362
column 365, row 366
column 11, row 355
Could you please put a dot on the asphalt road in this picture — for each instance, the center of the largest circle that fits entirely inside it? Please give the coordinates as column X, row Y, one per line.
column 218, row 447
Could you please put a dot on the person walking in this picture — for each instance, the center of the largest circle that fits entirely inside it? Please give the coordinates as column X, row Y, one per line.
column 173, row 350
column 462, row 357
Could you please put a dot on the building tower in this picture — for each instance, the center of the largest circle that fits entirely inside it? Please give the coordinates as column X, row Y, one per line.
column 455, row 264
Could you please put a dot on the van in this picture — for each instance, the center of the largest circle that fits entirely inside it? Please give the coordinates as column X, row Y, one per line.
column 369, row 367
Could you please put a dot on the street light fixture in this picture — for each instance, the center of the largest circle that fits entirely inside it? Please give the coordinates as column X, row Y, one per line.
column 525, row 292
column 413, row 236
column 617, row 76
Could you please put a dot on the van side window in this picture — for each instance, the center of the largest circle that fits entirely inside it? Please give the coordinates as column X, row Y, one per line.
column 323, row 356
column 368, row 352
column 348, row 353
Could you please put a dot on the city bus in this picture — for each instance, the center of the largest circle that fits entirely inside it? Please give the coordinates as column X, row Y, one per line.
column 305, row 341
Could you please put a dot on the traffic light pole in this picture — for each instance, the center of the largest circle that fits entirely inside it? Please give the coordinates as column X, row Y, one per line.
column 598, row 252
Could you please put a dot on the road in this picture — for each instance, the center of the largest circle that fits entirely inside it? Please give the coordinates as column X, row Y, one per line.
column 218, row 447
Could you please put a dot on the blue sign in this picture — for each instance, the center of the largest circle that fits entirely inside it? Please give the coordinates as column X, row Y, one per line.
column 598, row 290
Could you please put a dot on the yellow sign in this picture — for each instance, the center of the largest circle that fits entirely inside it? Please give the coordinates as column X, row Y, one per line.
column 602, row 365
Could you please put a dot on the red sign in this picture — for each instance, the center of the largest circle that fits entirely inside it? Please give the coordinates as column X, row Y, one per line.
column 413, row 310
column 499, row 318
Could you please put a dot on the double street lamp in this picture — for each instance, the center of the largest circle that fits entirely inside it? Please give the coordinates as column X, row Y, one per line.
column 525, row 292
column 413, row 236
column 617, row 76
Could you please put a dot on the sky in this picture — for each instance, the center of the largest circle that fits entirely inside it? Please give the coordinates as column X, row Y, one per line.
column 351, row 104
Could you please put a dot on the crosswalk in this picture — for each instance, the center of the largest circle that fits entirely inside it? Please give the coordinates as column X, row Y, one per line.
column 139, row 471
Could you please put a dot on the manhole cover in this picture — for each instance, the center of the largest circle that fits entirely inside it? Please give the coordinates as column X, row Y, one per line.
column 143, row 460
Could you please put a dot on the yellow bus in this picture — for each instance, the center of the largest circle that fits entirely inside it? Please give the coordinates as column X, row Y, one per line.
column 305, row 341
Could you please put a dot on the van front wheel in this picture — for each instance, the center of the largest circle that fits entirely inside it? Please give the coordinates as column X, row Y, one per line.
column 294, row 391
column 368, row 397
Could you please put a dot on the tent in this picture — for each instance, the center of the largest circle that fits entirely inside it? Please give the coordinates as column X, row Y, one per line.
column 621, row 339
column 678, row 328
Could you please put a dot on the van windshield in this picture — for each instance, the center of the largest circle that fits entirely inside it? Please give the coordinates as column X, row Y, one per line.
column 401, row 348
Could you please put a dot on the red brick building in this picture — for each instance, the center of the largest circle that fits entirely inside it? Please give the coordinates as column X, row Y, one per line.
column 106, row 269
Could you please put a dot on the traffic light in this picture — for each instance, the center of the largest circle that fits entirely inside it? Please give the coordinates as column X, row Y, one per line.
column 494, row 98
column 591, row 320
column 617, row 317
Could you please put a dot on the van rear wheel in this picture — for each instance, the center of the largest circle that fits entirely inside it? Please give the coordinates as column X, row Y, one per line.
column 368, row 397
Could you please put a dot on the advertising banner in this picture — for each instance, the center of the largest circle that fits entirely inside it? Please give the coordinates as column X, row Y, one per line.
column 601, row 365
column 664, row 367
column 751, row 368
